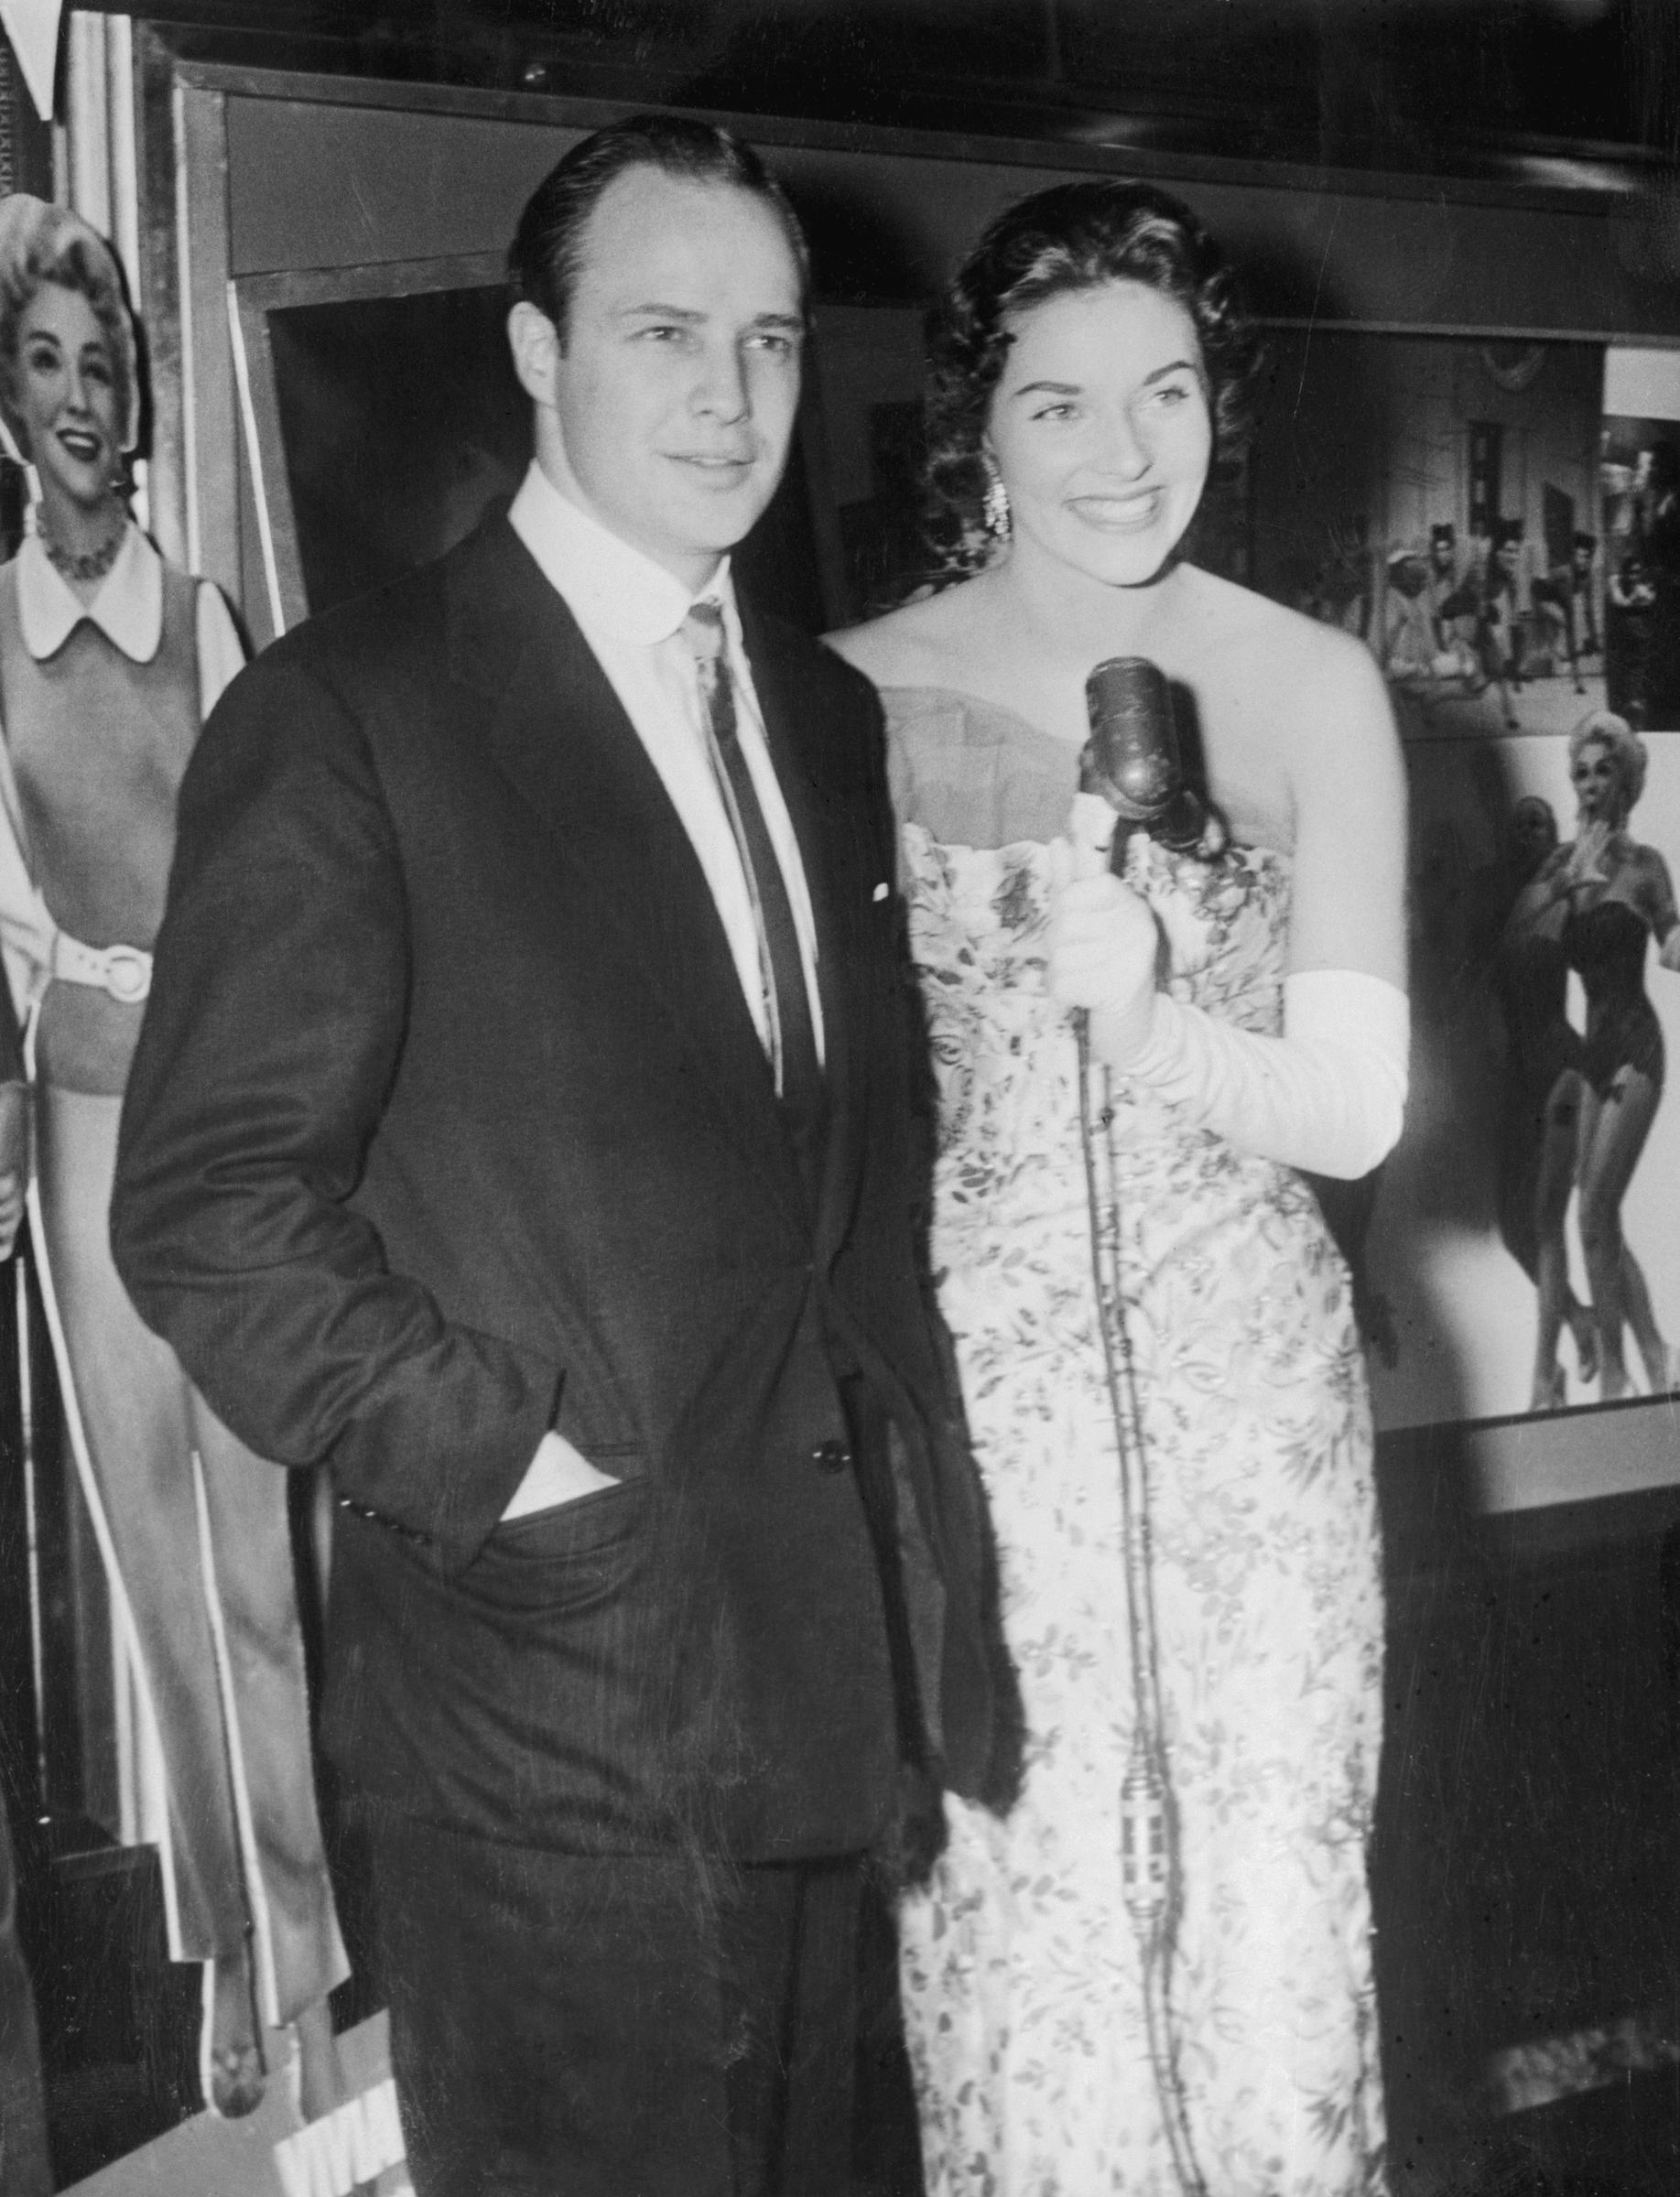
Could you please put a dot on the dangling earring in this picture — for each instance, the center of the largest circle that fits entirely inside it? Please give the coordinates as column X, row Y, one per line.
column 994, row 506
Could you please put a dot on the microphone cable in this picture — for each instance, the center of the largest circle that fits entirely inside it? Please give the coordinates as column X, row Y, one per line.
column 1131, row 763
column 1151, row 1862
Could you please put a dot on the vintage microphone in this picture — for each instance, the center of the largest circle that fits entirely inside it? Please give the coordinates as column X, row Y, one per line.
column 1132, row 760
column 1133, row 764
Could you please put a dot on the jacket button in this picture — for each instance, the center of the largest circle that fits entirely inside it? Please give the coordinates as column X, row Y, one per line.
column 831, row 1456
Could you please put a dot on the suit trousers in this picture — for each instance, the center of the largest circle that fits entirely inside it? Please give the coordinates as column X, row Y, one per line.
column 617, row 2026
column 210, row 1597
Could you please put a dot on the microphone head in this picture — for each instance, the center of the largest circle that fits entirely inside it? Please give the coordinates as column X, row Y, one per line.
column 1131, row 758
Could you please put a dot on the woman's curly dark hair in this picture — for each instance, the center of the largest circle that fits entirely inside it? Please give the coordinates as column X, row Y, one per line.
column 1075, row 237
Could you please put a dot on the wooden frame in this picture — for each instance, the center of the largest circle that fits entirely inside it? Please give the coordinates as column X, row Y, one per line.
column 251, row 302
column 801, row 521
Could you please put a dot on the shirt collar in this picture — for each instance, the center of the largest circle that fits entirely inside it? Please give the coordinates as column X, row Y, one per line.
column 613, row 588
column 128, row 607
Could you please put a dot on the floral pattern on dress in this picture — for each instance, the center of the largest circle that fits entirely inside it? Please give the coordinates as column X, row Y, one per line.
column 1020, row 1971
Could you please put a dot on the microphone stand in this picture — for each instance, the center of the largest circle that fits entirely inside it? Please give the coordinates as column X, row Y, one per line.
column 1151, row 1865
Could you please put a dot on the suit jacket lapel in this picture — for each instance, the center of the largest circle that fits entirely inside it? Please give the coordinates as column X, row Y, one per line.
column 558, row 733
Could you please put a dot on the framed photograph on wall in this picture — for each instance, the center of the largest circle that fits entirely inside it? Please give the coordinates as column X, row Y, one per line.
column 1446, row 500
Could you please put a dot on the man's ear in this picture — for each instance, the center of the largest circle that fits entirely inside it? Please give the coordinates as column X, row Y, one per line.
column 535, row 345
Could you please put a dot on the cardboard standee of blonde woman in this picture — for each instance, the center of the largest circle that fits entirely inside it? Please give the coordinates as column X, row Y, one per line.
column 110, row 660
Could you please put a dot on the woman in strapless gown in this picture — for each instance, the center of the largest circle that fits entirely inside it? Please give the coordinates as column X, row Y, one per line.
column 1618, row 898
column 1241, row 1000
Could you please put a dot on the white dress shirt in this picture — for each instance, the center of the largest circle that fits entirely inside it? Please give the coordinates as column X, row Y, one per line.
column 630, row 610
column 128, row 610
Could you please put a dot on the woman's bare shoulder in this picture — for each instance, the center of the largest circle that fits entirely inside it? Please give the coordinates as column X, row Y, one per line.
column 924, row 642
column 1242, row 626
column 1306, row 679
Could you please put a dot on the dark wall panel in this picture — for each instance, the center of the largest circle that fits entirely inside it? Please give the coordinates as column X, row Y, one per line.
column 332, row 185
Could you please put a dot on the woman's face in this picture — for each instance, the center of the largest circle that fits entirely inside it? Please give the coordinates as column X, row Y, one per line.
column 1597, row 783
column 1101, row 430
column 1533, row 833
column 67, row 397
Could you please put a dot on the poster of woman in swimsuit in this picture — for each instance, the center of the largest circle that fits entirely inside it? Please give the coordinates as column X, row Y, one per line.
column 1544, row 1017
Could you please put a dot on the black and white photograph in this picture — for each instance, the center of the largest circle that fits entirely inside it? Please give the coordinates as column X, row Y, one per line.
column 840, row 1214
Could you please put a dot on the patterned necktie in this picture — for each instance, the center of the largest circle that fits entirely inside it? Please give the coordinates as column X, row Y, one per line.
column 793, row 1040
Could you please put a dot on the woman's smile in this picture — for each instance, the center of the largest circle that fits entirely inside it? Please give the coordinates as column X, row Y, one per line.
column 1101, row 432
column 67, row 397
column 1118, row 515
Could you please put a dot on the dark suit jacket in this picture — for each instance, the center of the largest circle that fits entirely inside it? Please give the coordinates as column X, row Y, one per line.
column 448, row 1125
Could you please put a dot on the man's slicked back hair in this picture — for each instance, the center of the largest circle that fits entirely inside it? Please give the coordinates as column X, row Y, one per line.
column 544, row 259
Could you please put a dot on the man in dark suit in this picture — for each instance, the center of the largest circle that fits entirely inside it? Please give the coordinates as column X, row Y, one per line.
column 522, row 1123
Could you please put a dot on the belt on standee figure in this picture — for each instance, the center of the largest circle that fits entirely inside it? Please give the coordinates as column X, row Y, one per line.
column 122, row 972
column 37, row 951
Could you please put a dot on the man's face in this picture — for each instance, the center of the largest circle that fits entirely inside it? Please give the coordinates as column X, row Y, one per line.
column 666, row 412
column 1441, row 555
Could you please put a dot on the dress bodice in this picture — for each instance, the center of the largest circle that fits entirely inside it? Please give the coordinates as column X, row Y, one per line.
column 980, row 795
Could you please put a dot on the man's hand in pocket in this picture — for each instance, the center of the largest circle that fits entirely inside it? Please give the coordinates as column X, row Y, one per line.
column 556, row 1474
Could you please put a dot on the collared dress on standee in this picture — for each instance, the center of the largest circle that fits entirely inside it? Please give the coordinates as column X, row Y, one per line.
column 101, row 709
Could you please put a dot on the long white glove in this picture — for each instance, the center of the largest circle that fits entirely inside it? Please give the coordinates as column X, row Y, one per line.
column 1329, row 1094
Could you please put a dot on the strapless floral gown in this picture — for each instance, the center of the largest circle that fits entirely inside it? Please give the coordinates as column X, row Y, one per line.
column 1020, row 1969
